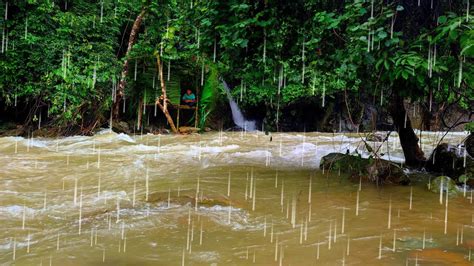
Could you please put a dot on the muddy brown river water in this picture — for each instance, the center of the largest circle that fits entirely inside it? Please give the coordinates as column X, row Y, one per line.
column 228, row 198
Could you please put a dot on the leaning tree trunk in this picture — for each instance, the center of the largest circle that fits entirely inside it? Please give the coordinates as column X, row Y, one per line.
column 414, row 156
column 123, row 78
column 469, row 143
column 162, row 102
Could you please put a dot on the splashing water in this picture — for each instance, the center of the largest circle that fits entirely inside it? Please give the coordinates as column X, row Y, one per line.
column 237, row 115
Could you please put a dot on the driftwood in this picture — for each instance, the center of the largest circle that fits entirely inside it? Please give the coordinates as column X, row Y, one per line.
column 163, row 101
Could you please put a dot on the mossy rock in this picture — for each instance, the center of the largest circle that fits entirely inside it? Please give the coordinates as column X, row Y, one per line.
column 345, row 163
column 376, row 170
column 448, row 183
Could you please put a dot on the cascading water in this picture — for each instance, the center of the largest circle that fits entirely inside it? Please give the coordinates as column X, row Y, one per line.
column 237, row 116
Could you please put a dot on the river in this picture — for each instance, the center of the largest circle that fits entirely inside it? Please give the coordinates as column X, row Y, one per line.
column 131, row 200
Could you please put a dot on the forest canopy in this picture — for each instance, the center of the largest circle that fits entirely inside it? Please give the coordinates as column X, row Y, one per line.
column 73, row 61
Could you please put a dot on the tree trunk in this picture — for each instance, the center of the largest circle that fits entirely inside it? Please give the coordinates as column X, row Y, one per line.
column 164, row 105
column 140, row 114
column 123, row 78
column 469, row 143
column 414, row 156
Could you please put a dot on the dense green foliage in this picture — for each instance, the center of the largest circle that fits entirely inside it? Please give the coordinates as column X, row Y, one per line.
column 67, row 56
column 209, row 95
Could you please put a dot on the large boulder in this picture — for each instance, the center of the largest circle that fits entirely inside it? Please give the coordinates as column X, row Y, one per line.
column 444, row 182
column 449, row 160
column 121, row 127
column 375, row 170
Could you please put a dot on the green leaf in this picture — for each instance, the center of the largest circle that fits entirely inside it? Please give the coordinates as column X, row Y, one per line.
column 442, row 19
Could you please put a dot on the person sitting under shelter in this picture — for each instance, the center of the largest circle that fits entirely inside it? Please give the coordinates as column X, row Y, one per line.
column 189, row 98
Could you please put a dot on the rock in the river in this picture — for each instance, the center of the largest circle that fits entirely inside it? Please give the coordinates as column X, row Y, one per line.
column 121, row 127
column 376, row 137
column 448, row 160
column 376, row 170
column 448, row 184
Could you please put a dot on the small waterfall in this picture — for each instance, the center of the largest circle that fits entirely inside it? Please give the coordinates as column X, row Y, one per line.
column 237, row 116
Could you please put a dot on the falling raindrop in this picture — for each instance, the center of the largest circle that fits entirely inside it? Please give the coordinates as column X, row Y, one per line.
column 441, row 191
column 391, row 27
column 254, row 195
column 309, row 193
column 381, row 96
column 368, row 41
column 467, row 20
column 317, row 251
column 446, row 213
column 372, row 10
column 146, row 185
column 324, row 94
column 460, row 73
column 464, row 157
column 343, row 220
column 380, row 248
column 264, row 46
column 215, row 50
column 389, row 222
column 330, row 235
column 303, row 62
column 406, row 118
column 24, row 217
column 6, row 10
column 3, row 40
column 135, row 72
column 228, row 186
column 26, row 28
column 198, row 35
column 101, row 10
column 80, row 212
column 357, row 203
column 293, row 212
column 430, row 61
